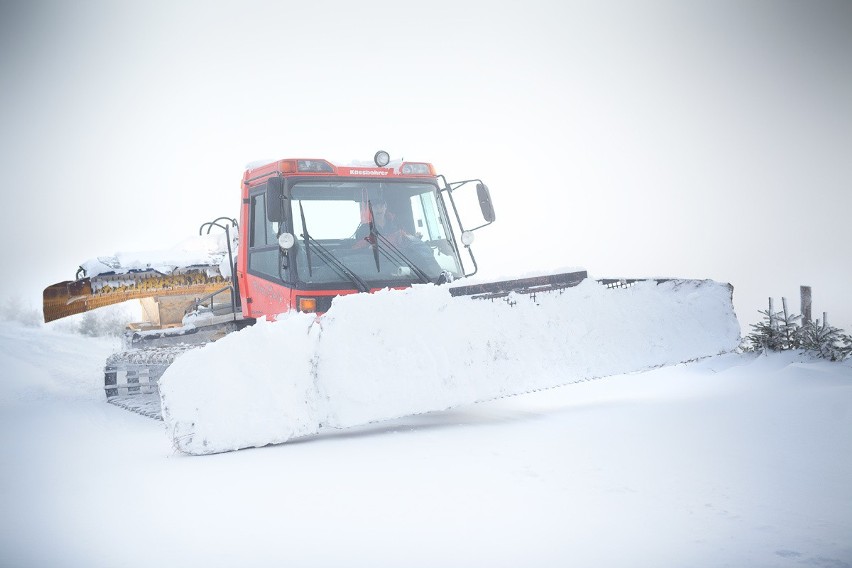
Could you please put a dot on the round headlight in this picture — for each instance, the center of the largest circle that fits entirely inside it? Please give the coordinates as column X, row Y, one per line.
column 467, row 238
column 286, row 241
column 381, row 158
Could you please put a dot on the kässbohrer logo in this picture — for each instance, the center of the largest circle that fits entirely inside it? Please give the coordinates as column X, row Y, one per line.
column 368, row 173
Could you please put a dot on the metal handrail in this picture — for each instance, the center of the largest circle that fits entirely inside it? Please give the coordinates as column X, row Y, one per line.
column 215, row 223
column 201, row 300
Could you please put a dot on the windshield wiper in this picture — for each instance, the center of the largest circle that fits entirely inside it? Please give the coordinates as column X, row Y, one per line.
column 373, row 239
column 306, row 237
column 400, row 256
column 327, row 257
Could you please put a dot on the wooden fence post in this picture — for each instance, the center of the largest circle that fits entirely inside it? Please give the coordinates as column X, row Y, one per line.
column 805, row 292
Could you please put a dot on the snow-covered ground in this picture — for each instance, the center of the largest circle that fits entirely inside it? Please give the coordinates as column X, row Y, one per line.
column 736, row 460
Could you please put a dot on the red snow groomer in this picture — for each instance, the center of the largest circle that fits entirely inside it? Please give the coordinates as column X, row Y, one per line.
column 312, row 231
column 309, row 231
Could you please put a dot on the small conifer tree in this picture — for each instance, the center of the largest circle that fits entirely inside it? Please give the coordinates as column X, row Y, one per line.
column 782, row 331
column 826, row 341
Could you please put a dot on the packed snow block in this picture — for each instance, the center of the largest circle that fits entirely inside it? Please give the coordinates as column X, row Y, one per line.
column 418, row 350
column 251, row 388
column 396, row 353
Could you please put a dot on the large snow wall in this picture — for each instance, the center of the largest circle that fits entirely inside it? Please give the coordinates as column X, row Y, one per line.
column 380, row 356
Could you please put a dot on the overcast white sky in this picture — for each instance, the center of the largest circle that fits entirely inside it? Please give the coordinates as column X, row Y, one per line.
column 702, row 139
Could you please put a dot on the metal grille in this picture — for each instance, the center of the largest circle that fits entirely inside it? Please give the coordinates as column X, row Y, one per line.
column 613, row 283
column 541, row 284
column 533, row 285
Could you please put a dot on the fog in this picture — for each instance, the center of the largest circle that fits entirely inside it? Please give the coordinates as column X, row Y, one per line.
column 693, row 139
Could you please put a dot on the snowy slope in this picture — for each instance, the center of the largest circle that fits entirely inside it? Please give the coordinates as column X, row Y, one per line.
column 737, row 460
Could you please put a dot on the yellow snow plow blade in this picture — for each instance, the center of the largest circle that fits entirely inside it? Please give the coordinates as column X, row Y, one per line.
column 75, row 297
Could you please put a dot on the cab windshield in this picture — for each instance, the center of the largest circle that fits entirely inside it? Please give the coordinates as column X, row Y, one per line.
column 381, row 233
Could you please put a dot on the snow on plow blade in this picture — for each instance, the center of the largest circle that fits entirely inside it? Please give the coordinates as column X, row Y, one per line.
column 381, row 356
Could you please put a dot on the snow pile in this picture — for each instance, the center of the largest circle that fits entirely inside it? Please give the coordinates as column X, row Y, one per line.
column 210, row 250
column 397, row 353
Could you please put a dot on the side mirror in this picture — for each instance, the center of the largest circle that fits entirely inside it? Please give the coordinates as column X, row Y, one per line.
column 275, row 200
column 485, row 202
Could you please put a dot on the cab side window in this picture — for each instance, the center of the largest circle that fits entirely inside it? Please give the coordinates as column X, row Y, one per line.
column 263, row 232
column 264, row 255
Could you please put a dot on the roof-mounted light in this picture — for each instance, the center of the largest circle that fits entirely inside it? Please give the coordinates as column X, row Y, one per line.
column 381, row 158
column 287, row 166
column 314, row 166
column 416, row 169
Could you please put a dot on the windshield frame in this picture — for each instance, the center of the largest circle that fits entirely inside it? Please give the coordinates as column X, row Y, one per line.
column 297, row 267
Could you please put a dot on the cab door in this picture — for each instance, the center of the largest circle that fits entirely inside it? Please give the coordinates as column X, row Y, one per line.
column 267, row 270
